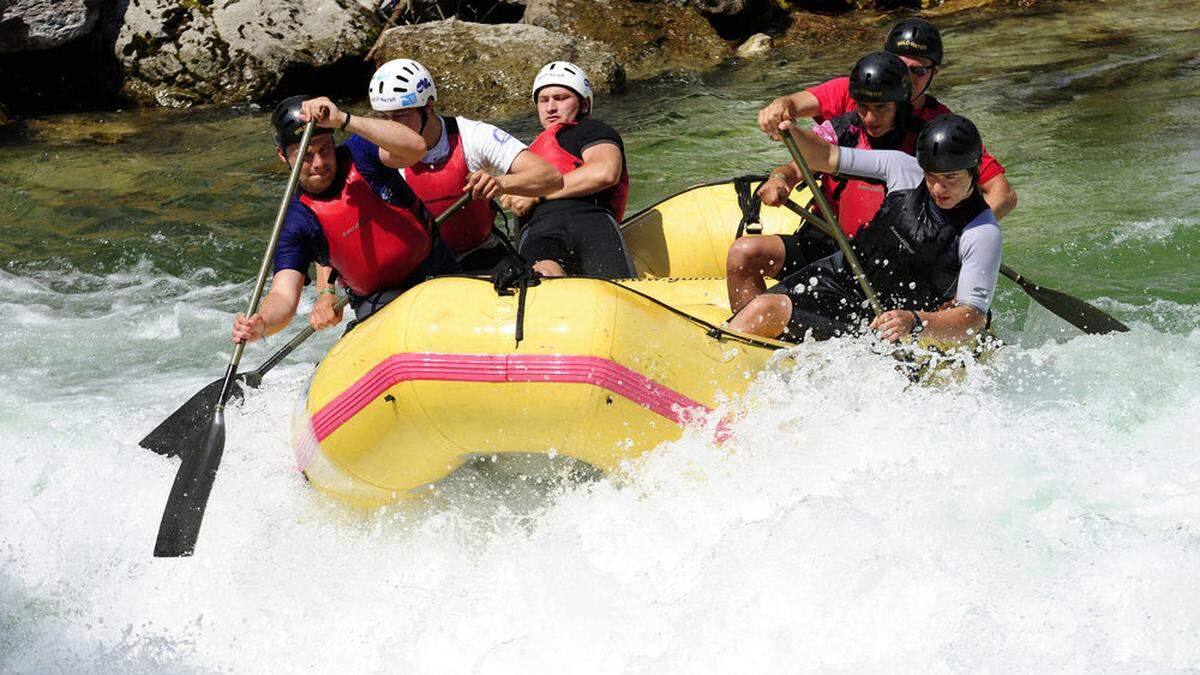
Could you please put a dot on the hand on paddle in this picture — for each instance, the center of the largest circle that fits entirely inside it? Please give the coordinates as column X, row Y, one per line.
column 482, row 185
column 770, row 117
column 249, row 330
column 521, row 206
column 325, row 312
column 324, row 111
column 894, row 324
column 775, row 190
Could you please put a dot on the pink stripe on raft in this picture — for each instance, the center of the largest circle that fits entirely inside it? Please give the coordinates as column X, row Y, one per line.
column 501, row 368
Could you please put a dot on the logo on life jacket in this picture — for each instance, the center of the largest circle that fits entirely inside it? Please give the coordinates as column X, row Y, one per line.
column 373, row 244
column 440, row 184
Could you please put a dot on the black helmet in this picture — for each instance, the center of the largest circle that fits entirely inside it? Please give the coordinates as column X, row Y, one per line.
column 949, row 143
column 916, row 38
column 286, row 120
column 879, row 77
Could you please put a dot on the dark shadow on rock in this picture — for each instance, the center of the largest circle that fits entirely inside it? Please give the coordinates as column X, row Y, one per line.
column 757, row 16
column 82, row 74
column 346, row 78
column 475, row 11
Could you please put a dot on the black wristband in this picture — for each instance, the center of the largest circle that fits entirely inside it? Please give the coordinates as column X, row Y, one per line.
column 347, row 122
column 918, row 325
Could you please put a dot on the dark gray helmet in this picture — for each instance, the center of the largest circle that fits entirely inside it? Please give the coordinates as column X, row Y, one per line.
column 916, row 38
column 949, row 143
column 287, row 123
column 880, row 77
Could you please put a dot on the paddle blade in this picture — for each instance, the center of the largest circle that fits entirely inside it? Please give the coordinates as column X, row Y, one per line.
column 180, row 526
column 182, row 431
column 1078, row 313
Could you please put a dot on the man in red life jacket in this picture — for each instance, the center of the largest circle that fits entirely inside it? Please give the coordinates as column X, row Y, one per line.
column 919, row 44
column 352, row 212
column 464, row 155
column 575, row 230
column 882, row 119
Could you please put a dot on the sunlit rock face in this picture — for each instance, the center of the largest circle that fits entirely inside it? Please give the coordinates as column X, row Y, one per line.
column 487, row 70
column 179, row 53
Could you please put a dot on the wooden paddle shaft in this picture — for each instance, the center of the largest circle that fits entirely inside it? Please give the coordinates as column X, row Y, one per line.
column 834, row 229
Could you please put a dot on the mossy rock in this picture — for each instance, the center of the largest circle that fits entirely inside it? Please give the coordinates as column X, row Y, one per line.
column 486, row 70
column 649, row 38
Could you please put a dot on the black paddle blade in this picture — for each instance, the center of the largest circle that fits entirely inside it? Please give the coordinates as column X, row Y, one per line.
column 180, row 526
column 182, row 430
column 1078, row 313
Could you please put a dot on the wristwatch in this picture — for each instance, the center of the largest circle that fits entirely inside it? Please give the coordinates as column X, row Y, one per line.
column 918, row 325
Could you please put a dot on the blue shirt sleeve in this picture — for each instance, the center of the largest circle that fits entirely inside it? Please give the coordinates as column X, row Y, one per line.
column 301, row 242
column 384, row 180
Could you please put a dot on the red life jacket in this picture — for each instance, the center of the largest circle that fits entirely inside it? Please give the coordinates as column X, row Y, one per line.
column 373, row 245
column 440, row 185
column 855, row 199
column 546, row 146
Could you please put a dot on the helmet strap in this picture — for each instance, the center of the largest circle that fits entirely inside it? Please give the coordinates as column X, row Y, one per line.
column 927, row 85
column 424, row 120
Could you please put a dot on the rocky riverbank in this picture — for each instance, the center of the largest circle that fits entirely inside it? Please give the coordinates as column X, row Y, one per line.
column 60, row 55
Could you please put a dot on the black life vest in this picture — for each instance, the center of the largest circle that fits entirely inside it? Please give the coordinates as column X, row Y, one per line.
column 909, row 251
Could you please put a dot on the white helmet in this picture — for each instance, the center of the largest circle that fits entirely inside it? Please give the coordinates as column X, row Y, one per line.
column 400, row 84
column 564, row 74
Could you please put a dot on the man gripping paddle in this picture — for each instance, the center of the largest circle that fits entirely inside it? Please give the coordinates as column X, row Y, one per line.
column 353, row 213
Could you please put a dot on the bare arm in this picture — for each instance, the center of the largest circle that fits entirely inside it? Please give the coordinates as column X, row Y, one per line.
column 790, row 107
column 601, row 170
column 323, row 314
column 399, row 146
column 277, row 310
column 999, row 195
column 530, row 176
column 960, row 322
column 775, row 189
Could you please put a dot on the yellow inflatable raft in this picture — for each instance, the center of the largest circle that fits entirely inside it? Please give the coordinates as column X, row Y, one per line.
column 605, row 370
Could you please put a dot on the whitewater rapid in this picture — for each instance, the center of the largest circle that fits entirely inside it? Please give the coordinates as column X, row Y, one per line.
column 1040, row 515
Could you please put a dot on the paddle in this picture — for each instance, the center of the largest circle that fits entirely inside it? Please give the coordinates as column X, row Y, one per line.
column 1078, row 313
column 830, row 224
column 178, row 432
column 189, row 495
column 184, row 511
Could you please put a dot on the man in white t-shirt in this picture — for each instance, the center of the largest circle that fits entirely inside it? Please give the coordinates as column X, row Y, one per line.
column 463, row 155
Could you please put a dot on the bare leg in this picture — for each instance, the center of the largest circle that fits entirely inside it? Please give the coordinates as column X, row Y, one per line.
column 750, row 259
column 766, row 316
column 549, row 268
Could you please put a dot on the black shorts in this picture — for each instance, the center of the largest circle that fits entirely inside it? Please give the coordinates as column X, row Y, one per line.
column 585, row 241
column 483, row 259
column 826, row 300
column 803, row 248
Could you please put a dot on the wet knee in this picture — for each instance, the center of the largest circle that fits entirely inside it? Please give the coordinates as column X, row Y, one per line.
column 745, row 255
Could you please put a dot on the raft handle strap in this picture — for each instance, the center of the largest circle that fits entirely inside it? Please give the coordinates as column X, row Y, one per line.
column 750, row 204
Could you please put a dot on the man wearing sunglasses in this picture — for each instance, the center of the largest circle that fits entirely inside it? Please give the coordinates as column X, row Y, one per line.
column 919, row 45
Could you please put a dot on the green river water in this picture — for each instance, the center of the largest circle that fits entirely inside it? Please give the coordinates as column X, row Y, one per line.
column 1042, row 516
